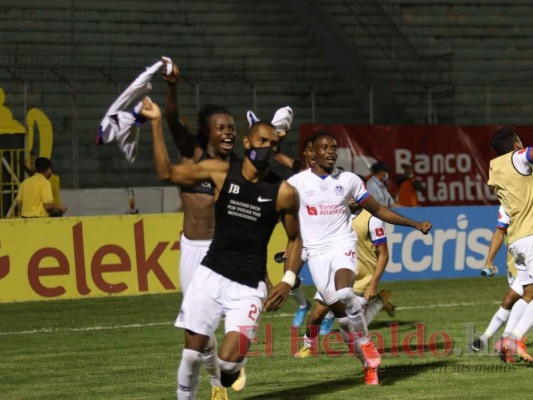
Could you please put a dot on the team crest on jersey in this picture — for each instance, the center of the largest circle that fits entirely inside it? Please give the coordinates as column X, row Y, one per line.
column 339, row 190
column 323, row 187
column 206, row 185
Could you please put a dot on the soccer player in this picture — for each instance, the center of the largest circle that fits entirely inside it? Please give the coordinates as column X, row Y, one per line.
column 230, row 281
column 512, row 306
column 372, row 259
column 214, row 139
column 297, row 166
column 510, row 178
column 325, row 193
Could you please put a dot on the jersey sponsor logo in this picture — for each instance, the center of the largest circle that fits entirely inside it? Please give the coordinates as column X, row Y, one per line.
column 262, row 199
column 323, row 187
column 311, row 210
column 339, row 190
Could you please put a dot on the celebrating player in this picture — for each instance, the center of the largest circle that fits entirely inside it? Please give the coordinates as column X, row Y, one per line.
column 325, row 218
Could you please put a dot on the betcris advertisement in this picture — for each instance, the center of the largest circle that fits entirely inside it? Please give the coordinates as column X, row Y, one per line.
column 456, row 246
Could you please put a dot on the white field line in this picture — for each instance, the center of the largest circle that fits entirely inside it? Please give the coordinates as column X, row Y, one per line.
column 263, row 316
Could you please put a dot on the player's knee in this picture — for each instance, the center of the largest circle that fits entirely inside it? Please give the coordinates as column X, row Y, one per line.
column 345, row 295
column 231, row 367
column 191, row 357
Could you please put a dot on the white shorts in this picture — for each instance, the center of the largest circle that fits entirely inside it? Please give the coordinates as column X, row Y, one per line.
column 515, row 284
column 522, row 251
column 319, row 298
column 324, row 266
column 211, row 295
column 192, row 253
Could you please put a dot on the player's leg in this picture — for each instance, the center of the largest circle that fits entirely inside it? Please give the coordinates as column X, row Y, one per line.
column 192, row 254
column 314, row 319
column 303, row 306
column 243, row 306
column 355, row 319
column 522, row 251
column 199, row 315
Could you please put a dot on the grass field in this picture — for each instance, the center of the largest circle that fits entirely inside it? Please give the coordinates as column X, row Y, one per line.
column 127, row 348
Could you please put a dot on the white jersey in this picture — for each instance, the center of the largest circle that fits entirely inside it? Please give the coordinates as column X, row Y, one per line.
column 325, row 217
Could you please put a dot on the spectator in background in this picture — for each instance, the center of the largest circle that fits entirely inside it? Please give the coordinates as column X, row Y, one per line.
column 55, row 182
column 409, row 186
column 35, row 198
column 376, row 185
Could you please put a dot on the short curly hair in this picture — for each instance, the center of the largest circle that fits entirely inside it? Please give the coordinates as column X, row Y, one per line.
column 504, row 139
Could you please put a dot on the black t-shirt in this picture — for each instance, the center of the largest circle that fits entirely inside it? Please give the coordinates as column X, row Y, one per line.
column 245, row 215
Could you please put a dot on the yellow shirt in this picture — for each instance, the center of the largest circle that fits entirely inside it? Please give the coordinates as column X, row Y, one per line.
column 366, row 251
column 33, row 193
column 515, row 192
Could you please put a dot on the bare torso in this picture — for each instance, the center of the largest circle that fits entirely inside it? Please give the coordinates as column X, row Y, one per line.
column 198, row 215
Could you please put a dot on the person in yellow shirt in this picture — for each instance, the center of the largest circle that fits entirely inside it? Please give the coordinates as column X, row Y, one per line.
column 510, row 177
column 35, row 197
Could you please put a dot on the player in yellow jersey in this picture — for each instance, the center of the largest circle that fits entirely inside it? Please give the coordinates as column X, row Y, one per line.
column 512, row 306
column 510, row 177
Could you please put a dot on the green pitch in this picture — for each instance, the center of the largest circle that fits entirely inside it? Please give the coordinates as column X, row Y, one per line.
column 127, row 348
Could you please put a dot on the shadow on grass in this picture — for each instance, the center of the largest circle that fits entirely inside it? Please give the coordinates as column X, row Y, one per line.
column 388, row 375
column 308, row 391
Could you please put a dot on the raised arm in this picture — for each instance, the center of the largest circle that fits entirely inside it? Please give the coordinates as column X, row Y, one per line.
column 288, row 204
column 182, row 174
column 183, row 139
column 387, row 215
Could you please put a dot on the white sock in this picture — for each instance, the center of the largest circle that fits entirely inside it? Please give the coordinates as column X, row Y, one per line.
column 516, row 313
column 308, row 342
column 299, row 296
column 499, row 318
column 209, row 359
column 354, row 310
column 525, row 323
column 372, row 308
column 188, row 374
column 351, row 339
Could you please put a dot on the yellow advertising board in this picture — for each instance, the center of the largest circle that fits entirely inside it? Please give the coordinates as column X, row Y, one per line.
column 79, row 257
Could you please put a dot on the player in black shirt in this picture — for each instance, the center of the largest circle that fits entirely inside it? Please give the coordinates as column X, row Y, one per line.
column 250, row 200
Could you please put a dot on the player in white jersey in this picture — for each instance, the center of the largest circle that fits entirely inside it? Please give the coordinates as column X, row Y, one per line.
column 325, row 220
column 512, row 306
column 510, row 177
column 372, row 259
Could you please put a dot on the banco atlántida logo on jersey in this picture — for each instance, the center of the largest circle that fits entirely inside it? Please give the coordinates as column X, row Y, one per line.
column 325, row 209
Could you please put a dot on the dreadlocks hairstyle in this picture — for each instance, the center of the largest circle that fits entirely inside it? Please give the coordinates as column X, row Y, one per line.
column 203, row 123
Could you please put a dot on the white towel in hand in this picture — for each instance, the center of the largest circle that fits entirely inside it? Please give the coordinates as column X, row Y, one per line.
column 122, row 125
column 283, row 119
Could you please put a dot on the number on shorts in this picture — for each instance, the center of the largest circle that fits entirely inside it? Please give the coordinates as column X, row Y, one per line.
column 253, row 312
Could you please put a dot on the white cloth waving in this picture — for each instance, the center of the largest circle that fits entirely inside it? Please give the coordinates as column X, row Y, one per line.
column 121, row 124
column 282, row 119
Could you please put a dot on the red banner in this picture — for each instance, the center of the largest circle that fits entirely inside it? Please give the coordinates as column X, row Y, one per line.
column 451, row 161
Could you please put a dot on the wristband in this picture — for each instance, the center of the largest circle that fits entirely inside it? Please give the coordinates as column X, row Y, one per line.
column 289, row 278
